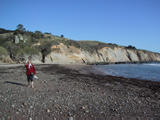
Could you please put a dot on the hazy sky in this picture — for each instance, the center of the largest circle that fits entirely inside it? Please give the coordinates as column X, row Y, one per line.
column 124, row 22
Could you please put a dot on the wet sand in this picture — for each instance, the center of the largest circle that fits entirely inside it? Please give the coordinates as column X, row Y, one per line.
column 75, row 92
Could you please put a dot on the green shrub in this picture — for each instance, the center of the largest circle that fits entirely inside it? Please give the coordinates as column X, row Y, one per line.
column 91, row 46
column 30, row 51
column 2, row 41
column 70, row 43
column 62, row 36
column 3, row 51
column 47, row 33
column 131, row 47
column 26, row 50
column 38, row 34
column 18, row 52
column 47, row 46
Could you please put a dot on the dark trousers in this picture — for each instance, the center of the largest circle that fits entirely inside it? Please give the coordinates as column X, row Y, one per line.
column 30, row 78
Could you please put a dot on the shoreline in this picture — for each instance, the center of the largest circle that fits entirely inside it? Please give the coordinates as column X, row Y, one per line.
column 84, row 68
column 93, row 63
column 108, row 63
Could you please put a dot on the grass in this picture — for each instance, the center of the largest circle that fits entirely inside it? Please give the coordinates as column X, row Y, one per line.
column 92, row 46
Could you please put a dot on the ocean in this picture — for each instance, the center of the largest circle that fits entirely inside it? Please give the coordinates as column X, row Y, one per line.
column 139, row 71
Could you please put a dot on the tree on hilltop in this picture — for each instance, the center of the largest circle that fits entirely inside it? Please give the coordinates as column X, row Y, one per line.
column 20, row 28
column 131, row 47
column 62, row 36
column 38, row 34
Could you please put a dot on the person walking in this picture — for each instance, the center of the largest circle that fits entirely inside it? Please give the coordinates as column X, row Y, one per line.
column 30, row 72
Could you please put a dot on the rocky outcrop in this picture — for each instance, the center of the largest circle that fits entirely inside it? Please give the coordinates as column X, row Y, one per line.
column 5, row 59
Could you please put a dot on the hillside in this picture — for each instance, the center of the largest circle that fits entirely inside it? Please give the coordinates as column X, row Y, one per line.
column 16, row 46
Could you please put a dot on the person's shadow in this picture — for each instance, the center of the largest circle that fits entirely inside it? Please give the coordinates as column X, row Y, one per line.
column 14, row 83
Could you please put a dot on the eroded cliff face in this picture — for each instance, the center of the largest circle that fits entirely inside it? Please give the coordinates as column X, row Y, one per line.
column 62, row 54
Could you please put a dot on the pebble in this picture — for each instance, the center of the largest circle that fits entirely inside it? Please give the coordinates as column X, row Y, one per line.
column 69, row 114
column 24, row 104
column 30, row 118
column 19, row 110
column 87, row 111
column 13, row 106
column 70, row 118
column 48, row 111
column 83, row 107
column 139, row 102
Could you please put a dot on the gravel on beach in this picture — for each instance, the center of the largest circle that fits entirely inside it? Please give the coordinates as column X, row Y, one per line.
column 75, row 92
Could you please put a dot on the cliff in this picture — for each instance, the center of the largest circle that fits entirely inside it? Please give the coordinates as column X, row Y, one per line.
column 71, row 54
column 16, row 46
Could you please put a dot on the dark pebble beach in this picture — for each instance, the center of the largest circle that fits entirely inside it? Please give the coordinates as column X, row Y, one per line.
column 75, row 92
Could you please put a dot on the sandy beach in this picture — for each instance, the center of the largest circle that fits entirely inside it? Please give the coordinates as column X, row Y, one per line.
column 75, row 92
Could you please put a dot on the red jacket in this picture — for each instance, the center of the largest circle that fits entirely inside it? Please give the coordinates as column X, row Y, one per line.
column 30, row 69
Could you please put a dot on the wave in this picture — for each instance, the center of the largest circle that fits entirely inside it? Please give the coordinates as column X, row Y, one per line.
column 153, row 64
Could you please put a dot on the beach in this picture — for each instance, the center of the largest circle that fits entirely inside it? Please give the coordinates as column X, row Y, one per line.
column 75, row 92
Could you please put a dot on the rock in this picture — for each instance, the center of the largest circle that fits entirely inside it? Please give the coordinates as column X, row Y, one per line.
column 85, row 108
column 102, row 112
column 16, row 39
column 70, row 118
column 70, row 114
column 30, row 118
column 87, row 111
column 48, row 111
column 19, row 110
column 139, row 102
column 24, row 104
column 31, row 107
column 13, row 106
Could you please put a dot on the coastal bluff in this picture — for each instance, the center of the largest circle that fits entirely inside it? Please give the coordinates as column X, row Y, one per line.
column 104, row 55
column 16, row 46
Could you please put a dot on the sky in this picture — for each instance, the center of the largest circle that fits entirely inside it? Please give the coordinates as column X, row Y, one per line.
column 123, row 22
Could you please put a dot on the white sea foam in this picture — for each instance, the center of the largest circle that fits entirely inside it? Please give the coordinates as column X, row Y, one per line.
column 153, row 64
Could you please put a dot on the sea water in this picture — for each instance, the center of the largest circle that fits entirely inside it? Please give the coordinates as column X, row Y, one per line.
column 139, row 71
